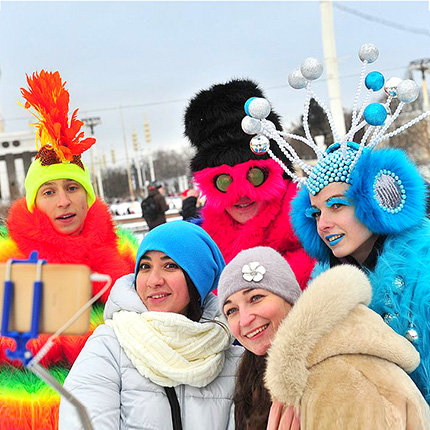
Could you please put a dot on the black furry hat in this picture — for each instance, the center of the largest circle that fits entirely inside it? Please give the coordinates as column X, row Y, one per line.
column 213, row 125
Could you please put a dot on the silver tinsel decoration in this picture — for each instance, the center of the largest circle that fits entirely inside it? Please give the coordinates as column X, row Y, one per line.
column 311, row 68
column 387, row 192
column 411, row 335
column 368, row 52
column 251, row 125
column 399, row 284
column 297, row 80
column 407, row 91
column 388, row 318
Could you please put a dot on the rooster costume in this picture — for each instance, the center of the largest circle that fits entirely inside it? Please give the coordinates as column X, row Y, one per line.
column 25, row 401
column 233, row 178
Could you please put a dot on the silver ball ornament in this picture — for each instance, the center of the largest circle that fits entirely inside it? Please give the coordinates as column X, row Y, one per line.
column 259, row 108
column 259, row 144
column 368, row 52
column 411, row 335
column 407, row 91
column 297, row 80
column 311, row 68
column 251, row 125
column 390, row 86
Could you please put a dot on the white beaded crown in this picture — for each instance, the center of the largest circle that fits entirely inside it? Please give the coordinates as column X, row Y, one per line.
column 338, row 161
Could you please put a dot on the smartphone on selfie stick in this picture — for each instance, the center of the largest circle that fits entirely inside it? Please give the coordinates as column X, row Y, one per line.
column 38, row 297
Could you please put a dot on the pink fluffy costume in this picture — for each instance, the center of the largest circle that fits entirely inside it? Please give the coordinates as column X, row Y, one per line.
column 247, row 195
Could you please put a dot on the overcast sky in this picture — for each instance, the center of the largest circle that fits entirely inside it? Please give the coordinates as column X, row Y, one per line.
column 151, row 57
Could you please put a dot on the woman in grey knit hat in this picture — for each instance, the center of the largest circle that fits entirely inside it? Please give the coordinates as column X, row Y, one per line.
column 257, row 290
column 323, row 353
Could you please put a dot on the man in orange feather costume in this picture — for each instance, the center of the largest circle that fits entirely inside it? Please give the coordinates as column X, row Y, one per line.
column 60, row 218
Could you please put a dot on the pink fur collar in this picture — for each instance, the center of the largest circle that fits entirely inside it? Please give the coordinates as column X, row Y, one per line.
column 270, row 228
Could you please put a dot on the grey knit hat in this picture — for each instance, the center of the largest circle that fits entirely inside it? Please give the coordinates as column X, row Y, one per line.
column 259, row 267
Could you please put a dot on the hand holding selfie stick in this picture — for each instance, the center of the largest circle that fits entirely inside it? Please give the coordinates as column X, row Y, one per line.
column 21, row 338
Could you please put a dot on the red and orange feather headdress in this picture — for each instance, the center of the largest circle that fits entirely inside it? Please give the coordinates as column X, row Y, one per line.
column 58, row 139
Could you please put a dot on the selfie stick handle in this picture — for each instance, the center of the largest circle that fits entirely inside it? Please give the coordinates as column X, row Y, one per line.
column 21, row 339
column 43, row 374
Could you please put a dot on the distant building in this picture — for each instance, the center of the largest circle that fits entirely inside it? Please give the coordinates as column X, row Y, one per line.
column 17, row 150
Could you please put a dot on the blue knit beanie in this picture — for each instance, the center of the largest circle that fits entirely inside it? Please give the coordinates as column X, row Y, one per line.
column 191, row 248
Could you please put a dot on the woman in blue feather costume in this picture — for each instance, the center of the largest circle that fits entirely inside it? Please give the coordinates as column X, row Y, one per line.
column 360, row 205
column 376, row 221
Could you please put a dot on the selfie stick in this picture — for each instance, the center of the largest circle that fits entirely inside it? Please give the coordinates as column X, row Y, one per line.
column 21, row 352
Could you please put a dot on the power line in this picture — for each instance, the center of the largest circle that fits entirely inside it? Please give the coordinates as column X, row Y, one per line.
column 83, row 112
column 132, row 106
column 382, row 21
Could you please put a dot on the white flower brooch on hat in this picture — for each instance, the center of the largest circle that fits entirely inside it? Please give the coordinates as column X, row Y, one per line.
column 253, row 272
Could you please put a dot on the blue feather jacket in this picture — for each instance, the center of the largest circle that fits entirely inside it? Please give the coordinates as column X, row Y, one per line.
column 401, row 291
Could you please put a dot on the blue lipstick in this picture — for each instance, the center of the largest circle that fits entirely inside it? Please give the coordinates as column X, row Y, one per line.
column 333, row 242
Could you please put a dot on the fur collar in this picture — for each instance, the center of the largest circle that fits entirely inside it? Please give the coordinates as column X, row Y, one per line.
column 96, row 246
column 330, row 318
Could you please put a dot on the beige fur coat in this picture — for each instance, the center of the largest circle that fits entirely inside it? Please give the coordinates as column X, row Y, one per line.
column 337, row 361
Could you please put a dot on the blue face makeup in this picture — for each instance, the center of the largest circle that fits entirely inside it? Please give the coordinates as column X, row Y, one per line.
column 338, row 201
column 312, row 212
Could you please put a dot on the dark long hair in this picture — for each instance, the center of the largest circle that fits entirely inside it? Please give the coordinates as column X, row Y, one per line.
column 194, row 310
column 251, row 399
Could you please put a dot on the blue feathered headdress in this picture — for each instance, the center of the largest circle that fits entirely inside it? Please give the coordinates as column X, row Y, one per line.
column 387, row 190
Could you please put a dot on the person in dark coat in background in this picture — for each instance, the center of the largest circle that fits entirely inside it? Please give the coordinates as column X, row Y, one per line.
column 191, row 204
column 154, row 206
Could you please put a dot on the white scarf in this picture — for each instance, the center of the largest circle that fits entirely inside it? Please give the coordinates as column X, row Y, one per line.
column 169, row 349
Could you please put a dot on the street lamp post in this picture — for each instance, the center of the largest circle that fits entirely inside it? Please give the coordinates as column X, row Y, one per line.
column 148, row 141
column 96, row 176
column 130, row 184
column 330, row 57
column 423, row 65
column 137, row 158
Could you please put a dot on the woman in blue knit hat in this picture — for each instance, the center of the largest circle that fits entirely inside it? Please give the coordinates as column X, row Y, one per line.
column 162, row 359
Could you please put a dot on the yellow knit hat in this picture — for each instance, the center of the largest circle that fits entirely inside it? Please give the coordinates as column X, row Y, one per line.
column 59, row 139
column 37, row 175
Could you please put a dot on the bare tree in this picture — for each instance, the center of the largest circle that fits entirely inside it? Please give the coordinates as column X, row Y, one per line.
column 171, row 164
column 115, row 183
column 319, row 126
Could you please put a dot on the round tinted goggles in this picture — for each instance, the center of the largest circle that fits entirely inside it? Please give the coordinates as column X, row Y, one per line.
column 255, row 175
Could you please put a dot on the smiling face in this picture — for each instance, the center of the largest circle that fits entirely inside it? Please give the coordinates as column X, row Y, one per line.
column 244, row 210
column 254, row 316
column 64, row 201
column 337, row 224
column 161, row 284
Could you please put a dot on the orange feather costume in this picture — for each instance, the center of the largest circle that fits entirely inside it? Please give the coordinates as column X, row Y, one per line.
column 25, row 401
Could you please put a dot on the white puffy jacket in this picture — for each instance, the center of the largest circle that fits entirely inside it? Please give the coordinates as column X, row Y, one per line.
column 118, row 397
